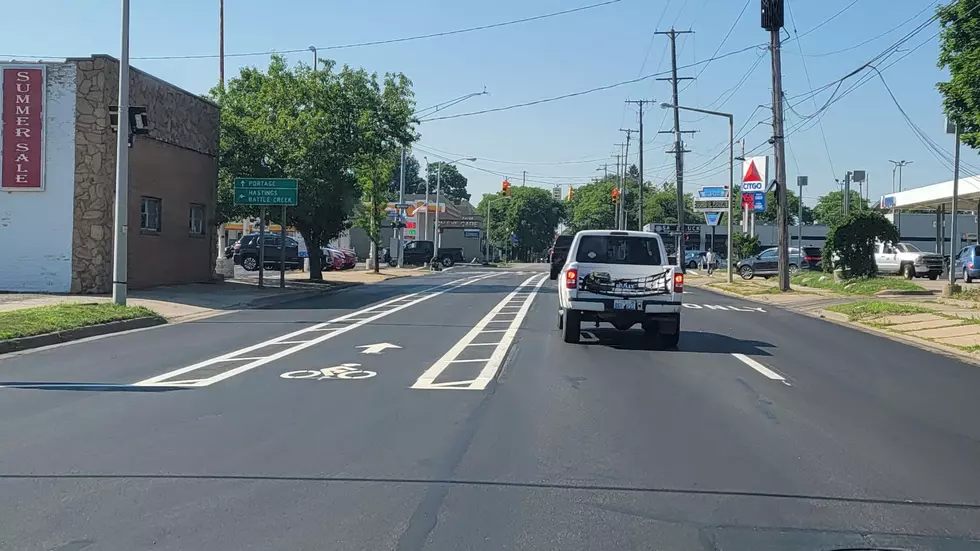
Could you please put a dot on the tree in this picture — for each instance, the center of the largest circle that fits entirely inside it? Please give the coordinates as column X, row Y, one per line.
column 959, row 51
column 453, row 183
column 744, row 246
column 531, row 213
column 413, row 180
column 374, row 177
column 850, row 246
column 591, row 207
column 316, row 127
column 830, row 207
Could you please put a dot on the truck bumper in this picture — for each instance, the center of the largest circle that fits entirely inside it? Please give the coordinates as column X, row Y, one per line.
column 606, row 305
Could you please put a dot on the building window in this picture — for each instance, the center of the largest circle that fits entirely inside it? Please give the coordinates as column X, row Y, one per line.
column 196, row 220
column 150, row 214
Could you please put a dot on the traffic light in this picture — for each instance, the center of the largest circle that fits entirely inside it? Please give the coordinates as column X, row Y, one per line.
column 615, row 196
column 571, row 193
column 505, row 187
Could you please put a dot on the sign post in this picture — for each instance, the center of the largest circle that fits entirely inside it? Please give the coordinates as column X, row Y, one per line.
column 754, row 170
column 263, row 192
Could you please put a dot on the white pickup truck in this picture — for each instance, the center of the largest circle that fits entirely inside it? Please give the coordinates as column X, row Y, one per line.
column 622, row 278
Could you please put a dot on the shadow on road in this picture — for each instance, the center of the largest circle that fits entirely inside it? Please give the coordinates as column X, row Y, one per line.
column 700, row 342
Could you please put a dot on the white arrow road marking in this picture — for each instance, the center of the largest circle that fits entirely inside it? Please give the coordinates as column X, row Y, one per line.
column 376, row 348
column 330, row 329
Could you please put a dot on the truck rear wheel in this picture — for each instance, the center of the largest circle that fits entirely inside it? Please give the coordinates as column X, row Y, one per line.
column 571, row 326
column 447, row 262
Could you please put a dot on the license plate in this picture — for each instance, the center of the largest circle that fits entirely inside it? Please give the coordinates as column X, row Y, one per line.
column 626, row 305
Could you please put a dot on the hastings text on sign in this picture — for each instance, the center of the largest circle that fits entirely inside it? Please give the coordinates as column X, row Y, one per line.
column 22, row 133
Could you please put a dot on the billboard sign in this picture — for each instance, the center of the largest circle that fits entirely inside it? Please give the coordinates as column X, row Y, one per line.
column 754, row 170
column 22, row 103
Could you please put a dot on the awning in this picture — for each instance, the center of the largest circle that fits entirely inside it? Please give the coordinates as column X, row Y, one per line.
column 934, row 196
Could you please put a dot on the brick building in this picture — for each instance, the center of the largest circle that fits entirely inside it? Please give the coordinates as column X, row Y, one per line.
column 57, row 192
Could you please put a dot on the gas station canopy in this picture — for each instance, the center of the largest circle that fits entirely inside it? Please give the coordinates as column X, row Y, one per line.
column 935, row 196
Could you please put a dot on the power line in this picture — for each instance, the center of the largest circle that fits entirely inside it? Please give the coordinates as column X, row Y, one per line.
column 369, row 43
column 873, row 38
column 722, row 44
column 831, row 18
column 584, row 92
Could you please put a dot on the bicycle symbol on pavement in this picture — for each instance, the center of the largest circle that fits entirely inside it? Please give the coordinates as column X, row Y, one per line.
column 342, row 371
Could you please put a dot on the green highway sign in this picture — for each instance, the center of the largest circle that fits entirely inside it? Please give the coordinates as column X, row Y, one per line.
column 280, row 192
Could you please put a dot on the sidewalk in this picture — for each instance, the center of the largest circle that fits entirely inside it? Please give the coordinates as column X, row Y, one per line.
column 951, row 327
column 180, row 303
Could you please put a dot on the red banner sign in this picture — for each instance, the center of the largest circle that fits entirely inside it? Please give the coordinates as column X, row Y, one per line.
column 22, row 134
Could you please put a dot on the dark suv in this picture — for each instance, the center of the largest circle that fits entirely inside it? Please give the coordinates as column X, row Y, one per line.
column 247, row 252
column 558, row 253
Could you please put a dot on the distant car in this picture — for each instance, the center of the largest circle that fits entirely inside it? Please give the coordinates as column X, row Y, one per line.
column 246, row 252
column 967, row 265
column 766, row 263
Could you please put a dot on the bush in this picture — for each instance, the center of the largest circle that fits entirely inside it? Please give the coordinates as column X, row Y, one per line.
column 744, row 246
column 850, row 245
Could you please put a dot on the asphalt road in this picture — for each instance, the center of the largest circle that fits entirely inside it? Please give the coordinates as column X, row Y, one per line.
column 451, row 416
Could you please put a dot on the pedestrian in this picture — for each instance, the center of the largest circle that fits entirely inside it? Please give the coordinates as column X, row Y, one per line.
column 709, row 258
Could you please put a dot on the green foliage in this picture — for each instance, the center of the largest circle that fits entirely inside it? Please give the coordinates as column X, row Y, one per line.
column 830, row 207
column 591, row 207
column 374, row 177
column 744, row 246
column 959, row 52
column 532, row 213
column 453, row 184
column 850, row 246
column 315, row 126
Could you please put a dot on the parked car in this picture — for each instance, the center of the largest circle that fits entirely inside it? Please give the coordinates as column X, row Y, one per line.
column 766, row 263
column 421, row 252
column 967, row 265
column 908, row 260
column 337, row 258
column 246, row 252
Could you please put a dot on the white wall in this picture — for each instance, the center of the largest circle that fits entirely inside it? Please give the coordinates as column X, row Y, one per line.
column 36, row 226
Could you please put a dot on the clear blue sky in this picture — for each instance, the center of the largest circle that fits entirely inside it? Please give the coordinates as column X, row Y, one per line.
column 556, row 56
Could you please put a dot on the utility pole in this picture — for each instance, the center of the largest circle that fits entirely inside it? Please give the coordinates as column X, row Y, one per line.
column 639, row 195
column 621, row 207
column 120, row 252
column 954, row 238
column 620, row 174
column 221, row 42
column 400, row 234
column 801, row 181
column 772, row 21
column 524, row 178
column 678, row 143
column 898, row 165
column 847, row 193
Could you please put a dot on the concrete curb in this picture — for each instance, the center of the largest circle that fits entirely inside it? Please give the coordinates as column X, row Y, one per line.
column 265, row 302
column 37, row 341
column 896, row 293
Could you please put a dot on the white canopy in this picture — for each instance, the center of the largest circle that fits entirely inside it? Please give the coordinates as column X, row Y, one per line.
column 936, row 195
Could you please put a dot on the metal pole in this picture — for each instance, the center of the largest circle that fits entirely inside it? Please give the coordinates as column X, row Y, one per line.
column 120, row 252
column 435, row 238
column 954, row 238
column 731, row 192
column 400, row 234
column 487, row 255
column 426, row 234
column 678, row 151
column 221, row 42
column 799, row 220
column 261, row 246
column 282, row 250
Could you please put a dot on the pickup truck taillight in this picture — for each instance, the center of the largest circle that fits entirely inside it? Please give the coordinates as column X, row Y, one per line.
column 571, row 278
column 678, row 283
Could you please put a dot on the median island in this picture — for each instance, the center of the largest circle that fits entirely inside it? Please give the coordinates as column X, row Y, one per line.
column 42, row 320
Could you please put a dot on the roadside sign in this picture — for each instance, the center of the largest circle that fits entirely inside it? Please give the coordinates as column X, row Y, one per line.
column 748, row 201
column 754, row 171
column 712, row 199
column 713, row 192
column 759, row 201
column 712, row 218
column 280, row 192
column 672, row 228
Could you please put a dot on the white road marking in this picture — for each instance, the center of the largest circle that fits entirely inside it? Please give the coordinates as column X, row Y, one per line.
column 765, row 371
column 496, row 359
column 726, row 308
column 376, row 348
column 339, row 327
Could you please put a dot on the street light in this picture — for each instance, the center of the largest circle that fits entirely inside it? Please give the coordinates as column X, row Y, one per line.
column 438, row 240
column 486, row 258
column 313, row 49
column 731, row 171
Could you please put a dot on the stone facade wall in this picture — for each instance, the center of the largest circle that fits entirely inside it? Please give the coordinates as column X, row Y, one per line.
column 177, row 119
